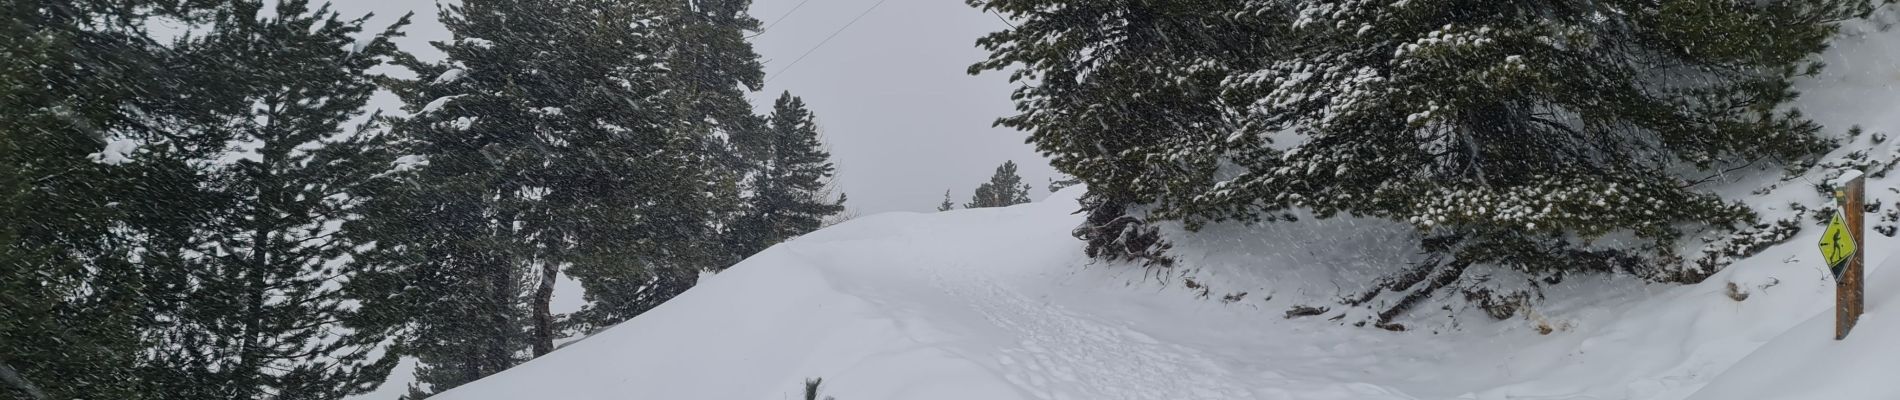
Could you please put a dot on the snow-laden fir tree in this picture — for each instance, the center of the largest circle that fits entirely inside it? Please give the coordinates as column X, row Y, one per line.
column 1509, row 133
column 1004, row 189
column 252, row 308
column 788, row 192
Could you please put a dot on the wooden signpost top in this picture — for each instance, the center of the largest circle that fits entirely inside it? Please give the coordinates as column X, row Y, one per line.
column 1850, row 192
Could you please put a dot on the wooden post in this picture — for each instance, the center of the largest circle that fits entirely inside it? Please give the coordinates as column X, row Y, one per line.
column 1848, row 290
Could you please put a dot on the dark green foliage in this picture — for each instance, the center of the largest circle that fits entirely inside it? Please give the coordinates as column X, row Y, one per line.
column 1507, row 132
column 1004, row 189
column 251, row 312
column 557, row 137
column 788, row 187
column 141, row 270
column 946, row 205
column 1124, row 95
column 533, row 147
column 1516, row 125
column 710, row 66
column 1114, row 79
column 56, row 240
column 710, row 63
column 75, row 75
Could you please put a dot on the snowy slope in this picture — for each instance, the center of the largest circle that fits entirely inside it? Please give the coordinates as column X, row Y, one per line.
column 1806, row 363
column 1803, row 362
column 985, row 304
column 1000, row 304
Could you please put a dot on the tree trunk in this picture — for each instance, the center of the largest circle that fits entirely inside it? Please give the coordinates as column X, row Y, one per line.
column 250, row 354
column 503, row 326
column 502, row 285
column 543, row 318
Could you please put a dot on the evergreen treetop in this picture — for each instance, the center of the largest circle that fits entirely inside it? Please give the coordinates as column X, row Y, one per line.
column 1004, row 189
column 789, row 189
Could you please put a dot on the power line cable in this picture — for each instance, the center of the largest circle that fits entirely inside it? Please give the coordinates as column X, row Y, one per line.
column 781, row 18
column 821, row 43
column 999, row 16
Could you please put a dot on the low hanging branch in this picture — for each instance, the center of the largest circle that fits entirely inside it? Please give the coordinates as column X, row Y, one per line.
column 1445, row 276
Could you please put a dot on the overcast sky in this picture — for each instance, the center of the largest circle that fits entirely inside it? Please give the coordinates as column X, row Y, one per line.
column 903, row 120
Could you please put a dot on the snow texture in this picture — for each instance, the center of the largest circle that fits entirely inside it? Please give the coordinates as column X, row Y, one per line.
column 437, row 104
column 479, row 43
column 1846, row 177
column 463, row 123
column 117, row 151
column 409, row 163
column 362, row 42
column 449, row 76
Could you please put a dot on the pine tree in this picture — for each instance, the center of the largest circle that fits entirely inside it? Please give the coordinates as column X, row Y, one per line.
column 711, row 67
column 789, row 195
column 255, row 313
column 544, row 144
column 1506, row 132
column 946, row 205
column 452, row 244
column 708, row 68
column 1004, row 189
column 57, row 229
column 1513, row 126
column 89, row 174
column 1125, row 95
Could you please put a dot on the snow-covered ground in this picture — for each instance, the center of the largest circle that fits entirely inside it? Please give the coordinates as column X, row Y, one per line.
column 1000, row 304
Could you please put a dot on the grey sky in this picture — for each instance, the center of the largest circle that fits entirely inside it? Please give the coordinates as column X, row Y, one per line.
column 903, row 119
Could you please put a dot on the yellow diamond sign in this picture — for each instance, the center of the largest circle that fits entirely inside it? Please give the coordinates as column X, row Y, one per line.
column 1837, row 244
